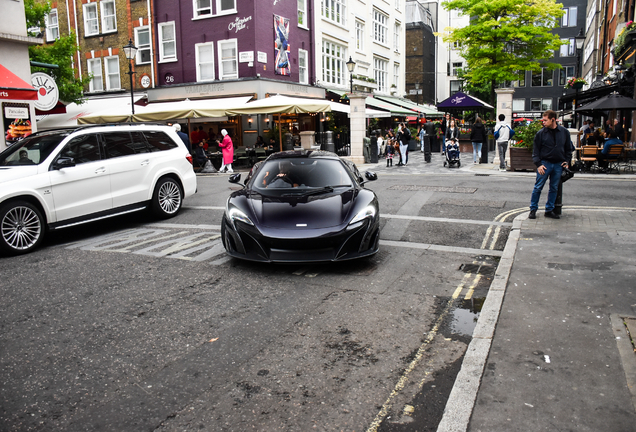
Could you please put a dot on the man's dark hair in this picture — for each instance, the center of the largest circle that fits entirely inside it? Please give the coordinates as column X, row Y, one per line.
column 502, row 117
column 550, row 114
column 612, row 134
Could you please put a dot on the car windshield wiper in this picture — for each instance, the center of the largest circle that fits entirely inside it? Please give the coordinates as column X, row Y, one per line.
column 322, row 190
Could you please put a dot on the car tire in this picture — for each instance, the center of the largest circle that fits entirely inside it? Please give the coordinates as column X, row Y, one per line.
column 167, row 198
column 21, row 227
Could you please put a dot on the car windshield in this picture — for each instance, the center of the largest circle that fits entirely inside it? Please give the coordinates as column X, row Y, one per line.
column 32, row 150
column 302, row 176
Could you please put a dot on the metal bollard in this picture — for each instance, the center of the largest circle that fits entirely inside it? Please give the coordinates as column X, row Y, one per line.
column 566, row 175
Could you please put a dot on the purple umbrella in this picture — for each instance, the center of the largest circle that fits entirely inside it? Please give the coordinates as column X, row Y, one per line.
column 463, row 101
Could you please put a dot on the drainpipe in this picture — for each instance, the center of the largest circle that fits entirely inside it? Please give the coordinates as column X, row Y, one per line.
column 152, row 53
column 79, row 55
column 68, row 19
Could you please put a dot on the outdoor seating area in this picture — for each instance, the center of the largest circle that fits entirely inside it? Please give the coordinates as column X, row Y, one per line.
column 619, row 158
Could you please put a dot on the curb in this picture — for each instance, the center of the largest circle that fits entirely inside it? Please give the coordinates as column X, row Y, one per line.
column 461, row 400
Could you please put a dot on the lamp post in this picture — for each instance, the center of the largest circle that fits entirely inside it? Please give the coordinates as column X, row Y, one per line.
column 417, row 93
column 130, row 51
column 579, row 40
column 351, row 66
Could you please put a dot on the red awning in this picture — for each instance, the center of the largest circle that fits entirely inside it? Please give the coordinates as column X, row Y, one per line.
column 12, row 87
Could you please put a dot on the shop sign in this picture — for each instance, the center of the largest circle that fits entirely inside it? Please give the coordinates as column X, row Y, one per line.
column 16, row 121
column 48, row 93
column 239, row 24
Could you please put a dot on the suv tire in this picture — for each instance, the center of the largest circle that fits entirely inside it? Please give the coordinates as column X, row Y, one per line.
column 21, row 227
column 167, row 198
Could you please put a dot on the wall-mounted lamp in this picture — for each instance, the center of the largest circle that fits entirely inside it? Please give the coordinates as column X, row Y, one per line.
column 249, row 119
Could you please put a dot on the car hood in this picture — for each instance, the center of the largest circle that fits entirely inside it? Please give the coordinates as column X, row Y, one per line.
column 321, row 211
column 8, row 174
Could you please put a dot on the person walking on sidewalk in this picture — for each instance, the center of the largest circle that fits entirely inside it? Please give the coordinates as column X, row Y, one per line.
column 478, row 137
column 502, row 141
column 551, row 152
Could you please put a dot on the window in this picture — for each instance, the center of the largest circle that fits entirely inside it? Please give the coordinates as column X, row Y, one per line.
column 397, row 4
column 119, row 144
column 203, row 8
column 228, row 59
column 334, row 10
column 568, row 49
column 83, row 149
column 302, row 67
column 91, row 25
column 521, row 82
column 456, row 67
column 112, row 73
column 142, row 41
column 566, row 73
column 569, row 17
column 333, row 63
column 359, row 36
column 302, row 13
column 159, row 141
column 542, row 78
column 397, row 31
column 95, row 68
column 109, row 20
column 380, row 27
column 167, row 42
column 204, row 57
column 396, row 75
column 518, row 105
column 540, row 104
column 455, row 86
column 52, row 28
column 457, row 45
column 381, row 72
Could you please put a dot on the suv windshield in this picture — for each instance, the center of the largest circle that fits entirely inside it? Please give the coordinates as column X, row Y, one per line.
column 33, row 149
column 301, row 175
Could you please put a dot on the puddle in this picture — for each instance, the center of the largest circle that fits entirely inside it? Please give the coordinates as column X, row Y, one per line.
column 464, row 318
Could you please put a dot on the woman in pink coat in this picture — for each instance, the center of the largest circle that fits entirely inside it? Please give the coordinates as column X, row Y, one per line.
column 228, row 152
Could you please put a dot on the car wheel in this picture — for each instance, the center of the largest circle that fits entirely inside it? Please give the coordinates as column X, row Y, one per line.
column 21, row 227
column 167, row 198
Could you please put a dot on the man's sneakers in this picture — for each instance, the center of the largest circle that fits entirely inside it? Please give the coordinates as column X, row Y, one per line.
column 552, row 215
column 533, row 214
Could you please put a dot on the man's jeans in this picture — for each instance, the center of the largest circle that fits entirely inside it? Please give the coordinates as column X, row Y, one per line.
column 502, row 146
column 552, row 170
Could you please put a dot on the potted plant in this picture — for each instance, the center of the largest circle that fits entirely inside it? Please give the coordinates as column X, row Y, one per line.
column 521, row 146
column 624, row 38
column 575, row 83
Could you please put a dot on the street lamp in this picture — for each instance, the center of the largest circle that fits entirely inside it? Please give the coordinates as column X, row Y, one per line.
column 579, row 40
column 130, row 51
column 417, row 93
column 351, row 65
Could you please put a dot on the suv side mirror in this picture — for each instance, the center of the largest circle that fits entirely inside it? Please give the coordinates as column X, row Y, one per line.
column 63, row 162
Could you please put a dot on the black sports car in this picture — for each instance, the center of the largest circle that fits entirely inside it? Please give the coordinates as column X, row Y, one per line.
column 300, row 206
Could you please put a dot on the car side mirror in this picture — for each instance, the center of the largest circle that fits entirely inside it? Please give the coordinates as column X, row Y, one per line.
column 235, row 178
column 371, row 176
column 64, row 162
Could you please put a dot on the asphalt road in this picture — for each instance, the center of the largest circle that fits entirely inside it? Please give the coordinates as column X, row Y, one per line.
column 135, row 325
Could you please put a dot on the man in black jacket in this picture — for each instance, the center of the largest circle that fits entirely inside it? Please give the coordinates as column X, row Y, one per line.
column 551, row 152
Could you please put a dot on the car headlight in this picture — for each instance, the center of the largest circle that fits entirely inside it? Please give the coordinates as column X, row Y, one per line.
column 235, row 214
column 367, row 212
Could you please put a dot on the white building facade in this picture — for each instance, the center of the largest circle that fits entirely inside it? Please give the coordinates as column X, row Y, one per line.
column 371, row 32
column 449, row 60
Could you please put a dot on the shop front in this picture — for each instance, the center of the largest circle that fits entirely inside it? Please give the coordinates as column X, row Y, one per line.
column 17, row 101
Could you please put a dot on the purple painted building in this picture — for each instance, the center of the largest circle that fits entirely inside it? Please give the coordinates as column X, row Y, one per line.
column 223, row 48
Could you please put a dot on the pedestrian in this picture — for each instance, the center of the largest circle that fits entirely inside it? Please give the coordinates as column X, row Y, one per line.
column 228, row 152
column 403, row 138
column 618, row 128
column 389, row 152
column 420, row 135
column 443, row 126
column 502, row 141
column 452, row 131
column 477, row 137
column 551, row 152
column 183, row 136
column 429, row 127
column 380, row 143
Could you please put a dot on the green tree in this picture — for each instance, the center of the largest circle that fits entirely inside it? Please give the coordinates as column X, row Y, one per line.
column 504, row 38
column 59, row 53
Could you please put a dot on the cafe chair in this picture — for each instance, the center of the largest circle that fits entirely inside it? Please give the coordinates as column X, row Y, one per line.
column 614, row 157
column 588, row 157
column 261, row 154
column 629, row 155
column 241, row 157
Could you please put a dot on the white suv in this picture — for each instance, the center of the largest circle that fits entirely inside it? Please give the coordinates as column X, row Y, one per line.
column 60, row 178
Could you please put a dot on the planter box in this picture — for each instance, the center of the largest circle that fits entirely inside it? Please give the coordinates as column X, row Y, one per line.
column 521, row 159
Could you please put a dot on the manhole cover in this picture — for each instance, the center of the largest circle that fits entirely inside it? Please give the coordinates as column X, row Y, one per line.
column 433, row 189
column 482, row 269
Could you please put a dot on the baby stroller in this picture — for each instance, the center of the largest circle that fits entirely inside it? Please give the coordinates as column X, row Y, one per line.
column 452, row 154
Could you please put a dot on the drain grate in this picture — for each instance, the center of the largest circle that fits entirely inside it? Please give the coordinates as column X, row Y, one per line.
column 471, row 203
column 433, row 189
column 482, row 175
column 482, row 269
